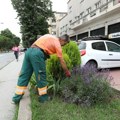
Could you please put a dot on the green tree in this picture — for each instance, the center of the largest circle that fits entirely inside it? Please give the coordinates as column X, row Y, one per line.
column 33, row 15
column 7, row 33
column 8, row 39
column 4, row 43
column 16, row 40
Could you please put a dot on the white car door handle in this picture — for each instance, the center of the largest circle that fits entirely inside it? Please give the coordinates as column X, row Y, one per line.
column 110, row 54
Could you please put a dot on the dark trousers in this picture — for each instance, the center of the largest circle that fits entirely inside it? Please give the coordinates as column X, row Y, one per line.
column 16, row 55
column 34, row 61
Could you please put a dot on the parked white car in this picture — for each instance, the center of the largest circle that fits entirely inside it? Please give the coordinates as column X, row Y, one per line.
column 100, row 53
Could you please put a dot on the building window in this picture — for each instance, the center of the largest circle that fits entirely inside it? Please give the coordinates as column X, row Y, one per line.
column 76, row 17
column 92, row 14
column 70, row 9
column 81, row 14
column 53, row 20
column 89, row 10
column 81, row 1
column 98, row 4
column 70, row 21
column 53, row 26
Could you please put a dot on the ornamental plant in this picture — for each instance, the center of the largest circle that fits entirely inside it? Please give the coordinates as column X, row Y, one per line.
column 71, row 56
column 87, row 86
column 54, row 68
column 55, row 72
column 72, row 51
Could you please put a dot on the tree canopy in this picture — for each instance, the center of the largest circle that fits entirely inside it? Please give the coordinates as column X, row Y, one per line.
column 8, row 40
column 33, row 16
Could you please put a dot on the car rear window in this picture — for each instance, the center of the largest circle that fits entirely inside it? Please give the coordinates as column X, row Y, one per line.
column 82, row 46
column 99, row 46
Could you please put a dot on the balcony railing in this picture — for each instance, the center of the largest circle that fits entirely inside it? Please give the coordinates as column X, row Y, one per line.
column 104, row 7
column 95, row 13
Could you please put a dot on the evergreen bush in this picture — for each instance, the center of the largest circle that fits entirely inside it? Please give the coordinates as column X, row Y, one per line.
column 72, row 51
column 54, row 68
column 55, row 73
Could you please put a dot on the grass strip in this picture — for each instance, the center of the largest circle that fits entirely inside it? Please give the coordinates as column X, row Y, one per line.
column 16, row 112
column 58, row 110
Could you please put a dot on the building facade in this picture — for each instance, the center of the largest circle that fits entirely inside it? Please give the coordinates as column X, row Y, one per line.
column 54, row 23
column 90, row 18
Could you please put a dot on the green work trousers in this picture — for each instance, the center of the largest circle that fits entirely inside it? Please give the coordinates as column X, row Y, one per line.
column 34, row 61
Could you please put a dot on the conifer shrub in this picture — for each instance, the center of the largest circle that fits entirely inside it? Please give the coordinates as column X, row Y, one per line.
column 87, row 86
column 71, row 56
column 55, row 73
column 54, row 68
column 72, row 51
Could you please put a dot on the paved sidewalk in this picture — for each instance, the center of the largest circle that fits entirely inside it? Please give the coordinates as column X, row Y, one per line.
column 8, row 81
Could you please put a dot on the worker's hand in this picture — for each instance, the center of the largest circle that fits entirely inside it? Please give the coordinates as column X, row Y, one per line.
column 68, row 74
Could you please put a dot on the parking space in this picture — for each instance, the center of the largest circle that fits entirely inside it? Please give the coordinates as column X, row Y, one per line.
column 115, row 73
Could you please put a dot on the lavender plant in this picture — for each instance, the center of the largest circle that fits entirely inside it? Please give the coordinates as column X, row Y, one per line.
column 87, row 86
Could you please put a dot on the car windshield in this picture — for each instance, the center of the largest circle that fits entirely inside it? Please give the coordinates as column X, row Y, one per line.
column 82, row 46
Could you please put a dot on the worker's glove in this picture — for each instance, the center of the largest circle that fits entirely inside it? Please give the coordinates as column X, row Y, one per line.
column 67, row 73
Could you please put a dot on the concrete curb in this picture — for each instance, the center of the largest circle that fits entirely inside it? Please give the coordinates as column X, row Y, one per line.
column 24, row 112
column 116, row 87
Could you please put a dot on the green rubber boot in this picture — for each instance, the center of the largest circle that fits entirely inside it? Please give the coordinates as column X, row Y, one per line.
column 16, row 98
column 43, row 98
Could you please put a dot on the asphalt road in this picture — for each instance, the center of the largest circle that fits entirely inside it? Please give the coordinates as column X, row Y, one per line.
column 6, row 58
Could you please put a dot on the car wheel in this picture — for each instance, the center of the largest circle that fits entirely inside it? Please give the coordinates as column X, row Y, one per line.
column 92, row 64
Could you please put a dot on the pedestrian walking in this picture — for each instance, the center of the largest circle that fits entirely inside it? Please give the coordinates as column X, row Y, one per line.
column 16, row 51
column 34, row 60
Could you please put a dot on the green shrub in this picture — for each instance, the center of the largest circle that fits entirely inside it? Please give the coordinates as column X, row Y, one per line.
column 72, row 51
column 55, row 72
column 54, row 68
column 87, row 86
